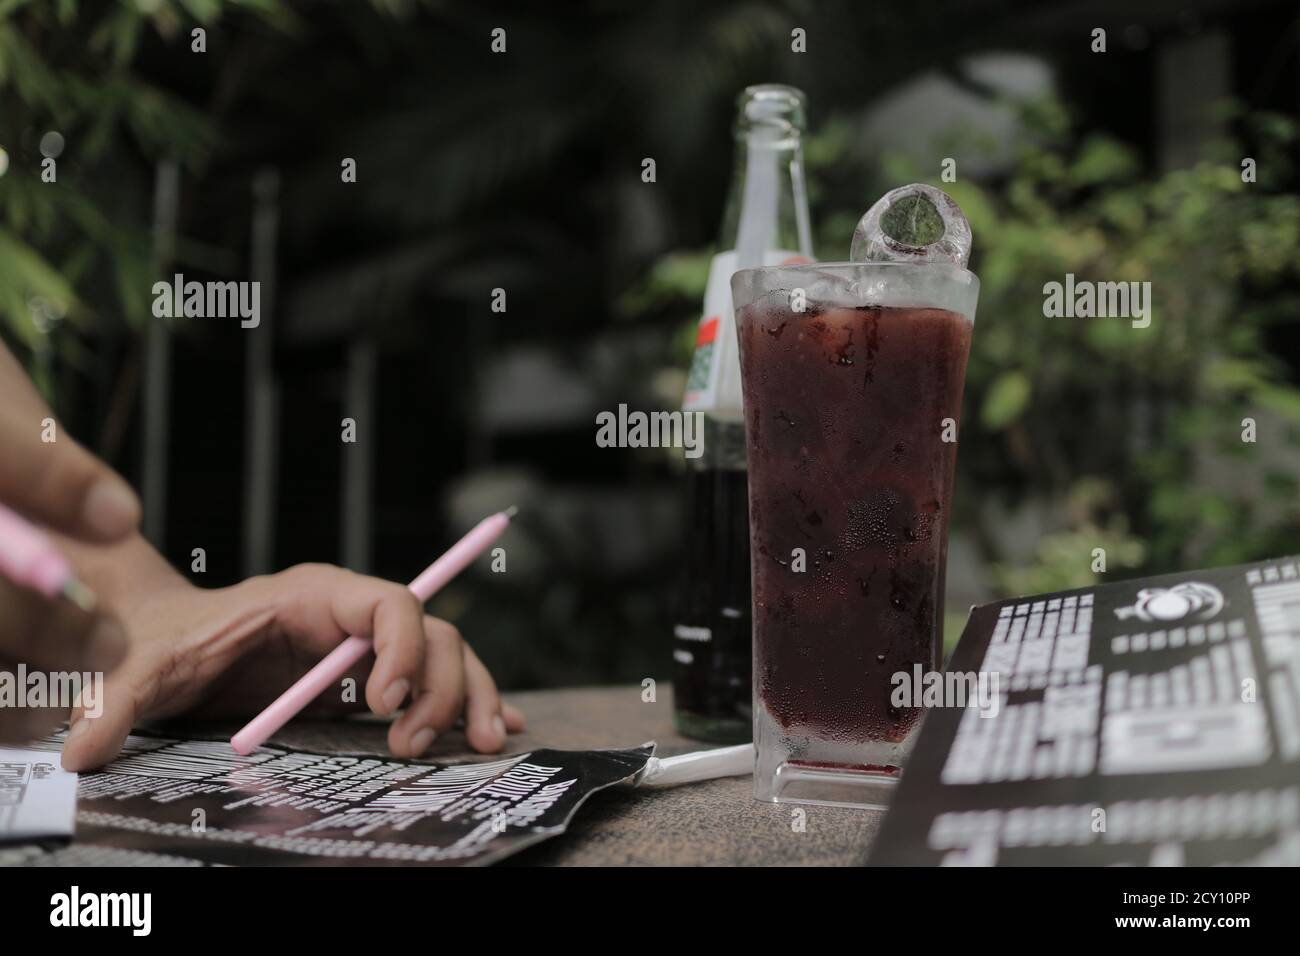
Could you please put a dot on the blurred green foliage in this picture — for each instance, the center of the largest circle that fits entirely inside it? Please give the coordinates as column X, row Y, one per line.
column 66, row 67
column 1135, row 434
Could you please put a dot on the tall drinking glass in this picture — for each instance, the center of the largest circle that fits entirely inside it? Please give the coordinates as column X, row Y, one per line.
column 852, row 375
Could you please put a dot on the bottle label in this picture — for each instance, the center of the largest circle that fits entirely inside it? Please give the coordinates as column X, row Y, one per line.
column 715, row 345
column 713, row 385
column 702, row 360
column 684, row 632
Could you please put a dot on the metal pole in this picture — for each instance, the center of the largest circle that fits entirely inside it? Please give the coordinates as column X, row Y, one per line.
column 261, row 390
column 158, row 364
column 358, row 456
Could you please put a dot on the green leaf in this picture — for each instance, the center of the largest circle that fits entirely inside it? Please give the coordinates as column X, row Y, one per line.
column 1227, row 374
column 26, row 275
column 913, row 221
column 1102, row 160
column 1007, row 398
column 1280, row 399
column 205, row 11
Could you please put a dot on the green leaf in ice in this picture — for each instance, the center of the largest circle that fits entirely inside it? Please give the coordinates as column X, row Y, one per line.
column 913, row 221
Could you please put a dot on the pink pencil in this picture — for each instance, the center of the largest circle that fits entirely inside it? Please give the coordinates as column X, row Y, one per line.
column 339, row 661
column 29, row 558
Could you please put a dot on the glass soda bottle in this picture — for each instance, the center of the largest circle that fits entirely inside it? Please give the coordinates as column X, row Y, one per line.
column 765, row 223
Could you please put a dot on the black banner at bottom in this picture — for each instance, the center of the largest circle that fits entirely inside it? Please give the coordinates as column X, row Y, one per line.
column 345, row 905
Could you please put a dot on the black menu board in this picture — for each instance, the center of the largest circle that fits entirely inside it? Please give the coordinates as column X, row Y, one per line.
column 1154, row 721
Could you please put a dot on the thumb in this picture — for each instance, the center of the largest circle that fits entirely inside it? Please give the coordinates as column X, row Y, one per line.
column 51, row 479
column 100, row 723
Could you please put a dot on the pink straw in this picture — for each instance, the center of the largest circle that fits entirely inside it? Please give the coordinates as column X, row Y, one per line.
column 339, row 661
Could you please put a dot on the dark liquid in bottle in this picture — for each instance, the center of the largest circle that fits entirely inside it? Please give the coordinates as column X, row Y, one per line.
column 712, row 643
column 845, row 411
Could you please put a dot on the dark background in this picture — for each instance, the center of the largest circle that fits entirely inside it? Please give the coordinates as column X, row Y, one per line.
column 521, row 171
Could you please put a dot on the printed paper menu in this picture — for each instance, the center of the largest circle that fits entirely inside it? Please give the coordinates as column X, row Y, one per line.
column 198, row 800
column 38, row 798
column 1147, row 722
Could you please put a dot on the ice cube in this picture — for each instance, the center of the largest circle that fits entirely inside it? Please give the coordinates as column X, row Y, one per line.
column 915, row 223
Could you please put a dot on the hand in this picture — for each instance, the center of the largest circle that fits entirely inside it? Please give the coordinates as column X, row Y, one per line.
column 230, row 652
column 50, row 637
column 48, row 477
column 60, row 485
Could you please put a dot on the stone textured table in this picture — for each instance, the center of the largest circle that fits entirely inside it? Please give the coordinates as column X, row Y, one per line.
column 715, row 823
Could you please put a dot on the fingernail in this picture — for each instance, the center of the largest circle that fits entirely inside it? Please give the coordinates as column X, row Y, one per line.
column 396, row 693
column 499, row 725
column 77, row 729
column 111, row 508
column 421, row 740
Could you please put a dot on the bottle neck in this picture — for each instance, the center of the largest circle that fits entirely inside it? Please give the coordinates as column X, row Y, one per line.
column 767, row 208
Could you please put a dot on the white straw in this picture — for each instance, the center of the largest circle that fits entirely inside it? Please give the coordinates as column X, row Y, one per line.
column 701, row 765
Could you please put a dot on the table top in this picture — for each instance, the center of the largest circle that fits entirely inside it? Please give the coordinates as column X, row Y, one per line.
column 714, row 823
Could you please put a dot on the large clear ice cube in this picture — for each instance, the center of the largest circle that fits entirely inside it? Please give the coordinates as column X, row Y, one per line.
column 914, row 223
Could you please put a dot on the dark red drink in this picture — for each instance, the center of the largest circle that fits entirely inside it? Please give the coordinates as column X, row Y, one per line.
column 847, row 411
